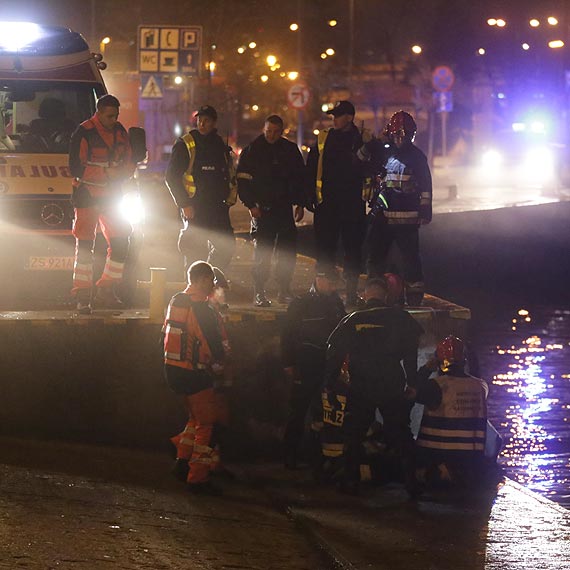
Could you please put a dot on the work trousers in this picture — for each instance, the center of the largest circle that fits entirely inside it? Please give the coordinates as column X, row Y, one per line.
column 116, row 231
column 195, row 443
column 395, row 410
column 209, row 236
column 274, row 232
column 381, row 236
column 331, row 226
column 305, row 394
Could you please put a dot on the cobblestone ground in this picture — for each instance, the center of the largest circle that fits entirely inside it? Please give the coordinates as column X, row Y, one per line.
column 52, row 520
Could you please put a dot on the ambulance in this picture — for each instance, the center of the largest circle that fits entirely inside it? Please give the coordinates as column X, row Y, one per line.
column 49, row 84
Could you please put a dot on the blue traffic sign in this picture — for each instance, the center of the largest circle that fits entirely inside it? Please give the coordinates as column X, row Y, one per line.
column 443, row 101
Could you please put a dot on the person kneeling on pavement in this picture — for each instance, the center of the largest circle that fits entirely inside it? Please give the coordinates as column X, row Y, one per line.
column 195, row 354
column 451, row 440
column 376, row 341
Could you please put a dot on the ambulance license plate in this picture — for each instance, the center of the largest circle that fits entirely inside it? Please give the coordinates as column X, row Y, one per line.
column 49, row 263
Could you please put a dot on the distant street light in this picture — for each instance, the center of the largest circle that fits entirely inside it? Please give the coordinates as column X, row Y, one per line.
column 252, row 45
column 323, row 55
column 271, row 60
column 492, row 22
column 292, row 75
column 178, row 80
column 255, row 107
column 552, row 21
column 264, row 78
column 104, row 43
column 241, row 49
column 525, row 46
column 332, row 23
column 501, row 23
column 330, row 51
column 417, row 49
column 481, row 51
column 556, row 44
column 294, row 27
column 534, row 23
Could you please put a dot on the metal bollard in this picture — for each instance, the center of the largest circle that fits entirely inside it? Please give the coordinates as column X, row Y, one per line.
column 157, row 289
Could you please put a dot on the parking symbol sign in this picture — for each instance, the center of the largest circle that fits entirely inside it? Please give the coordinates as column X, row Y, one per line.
column 188, row 39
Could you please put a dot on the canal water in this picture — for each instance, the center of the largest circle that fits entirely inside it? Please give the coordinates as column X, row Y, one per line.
column 525, row 357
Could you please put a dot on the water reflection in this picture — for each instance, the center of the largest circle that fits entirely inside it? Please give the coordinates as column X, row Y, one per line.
column 530, row 398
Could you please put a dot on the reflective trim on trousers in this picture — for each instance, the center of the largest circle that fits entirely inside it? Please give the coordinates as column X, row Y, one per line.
column 113, row 272
column 82, row 276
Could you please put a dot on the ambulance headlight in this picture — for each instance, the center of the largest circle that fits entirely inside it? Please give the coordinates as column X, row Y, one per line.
column 17, row 35
column 491, row 159
column 131, row 208
column 538, row 164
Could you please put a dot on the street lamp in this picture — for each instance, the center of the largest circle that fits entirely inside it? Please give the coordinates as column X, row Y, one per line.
column 252, row 45
column 332, row 23
column 264, row 78
column 292, row 75
column 271, row 60
column 330, row 51
column 552, row 21
column 556, row 44
column 103, row 44
column 294, row 27
column 534, row 23
column 417, row 49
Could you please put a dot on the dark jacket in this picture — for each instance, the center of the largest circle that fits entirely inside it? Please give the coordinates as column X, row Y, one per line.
column 210, row 171
column 407, row 188
column 271, row 175
column 376, row 340
column 344, row 171
column 309, row 321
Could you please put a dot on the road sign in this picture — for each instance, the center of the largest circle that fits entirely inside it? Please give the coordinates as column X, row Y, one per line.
column 151, row 86
column 443, row 101
column 442, row 78
column 170, row 49
column 298, row 96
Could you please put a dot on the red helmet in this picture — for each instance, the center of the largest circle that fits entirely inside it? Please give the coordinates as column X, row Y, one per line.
column 395, row 284
column 451, row 350
column 402, row 124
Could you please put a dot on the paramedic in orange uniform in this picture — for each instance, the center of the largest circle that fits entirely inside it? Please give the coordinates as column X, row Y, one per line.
column 100, row 160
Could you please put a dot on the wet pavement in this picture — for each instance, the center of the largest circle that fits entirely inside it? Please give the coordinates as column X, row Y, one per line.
column 79, row 507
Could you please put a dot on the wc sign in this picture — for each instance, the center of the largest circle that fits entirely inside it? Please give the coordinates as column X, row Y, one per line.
column 169, row 49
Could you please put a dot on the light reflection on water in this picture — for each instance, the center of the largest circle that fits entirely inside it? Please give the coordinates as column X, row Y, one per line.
column 528, row 367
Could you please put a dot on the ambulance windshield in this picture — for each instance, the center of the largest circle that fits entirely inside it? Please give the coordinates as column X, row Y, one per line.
column 40, row 116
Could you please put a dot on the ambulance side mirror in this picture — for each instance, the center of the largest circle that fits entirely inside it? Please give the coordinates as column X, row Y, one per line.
column 137, row 138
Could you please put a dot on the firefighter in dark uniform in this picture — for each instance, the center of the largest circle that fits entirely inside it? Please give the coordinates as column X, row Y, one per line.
column 451, row 440
column 340, row 173
column 309, row 321
column 401, row 205
column 270, row 181
column 376, row 341
column 201, row 181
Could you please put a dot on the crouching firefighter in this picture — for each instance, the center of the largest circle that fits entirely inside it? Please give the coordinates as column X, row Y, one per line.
column 195, row 354
column 451, row 440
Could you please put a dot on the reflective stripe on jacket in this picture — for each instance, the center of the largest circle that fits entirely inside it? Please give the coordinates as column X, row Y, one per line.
column 93, row 149
column 188, row 177
column 458, row 424
column 193, row 337
column 366, row 183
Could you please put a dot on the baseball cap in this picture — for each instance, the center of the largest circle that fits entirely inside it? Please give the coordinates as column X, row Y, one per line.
column 207, row 111
column 342, row 108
